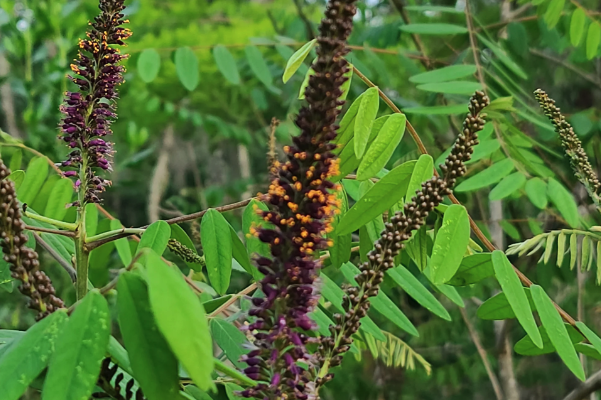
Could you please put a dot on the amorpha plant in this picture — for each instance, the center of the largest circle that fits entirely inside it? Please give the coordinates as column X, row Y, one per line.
column 293, row 325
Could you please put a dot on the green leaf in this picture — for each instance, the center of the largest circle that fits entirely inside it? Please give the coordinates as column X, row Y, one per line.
column 386, row 192
column 473, row 269
column 181, row 319
column 444, row 74
column 258, row 65
column 296, row 60
column 577, row 25
column 587, row 350
column 454, row 87
column 507, row 186
column 450, row 244
column 382, row 303
column 553, row 13
column 484, row 150
column 122, row 244
column 487, row 177
column 226, row 64
column 366, row 114
column 441, row 9
column 556, row 330
column 186, row 64
column 340, row 251
column 434, row 29
column 498, row 307
column 503, row 57
column 178, row 233
column 561, row 248
column 415, row 289
column 17, row 177
column 424, row 170
column 322, row 320
column 15, row 160
column 573, row 250
column 91, row 219
column 240, row 254
column 382, row 147
column 536, row 190
column 119, row 355
column 512, row 287
column 155, row 237
column 61, row 195
column 152, row 361
column 231, row 389
column 250, row 222
column 590, row 335
column 149, row 64
column 75, row 365
column 230, row 340
column 25, row 359
column 217, row 245
column 196, row 393
column 437, row 110
column 593, row 38
column 347, row 124
column 35, row 175
column 564, row 202
column 525, row 346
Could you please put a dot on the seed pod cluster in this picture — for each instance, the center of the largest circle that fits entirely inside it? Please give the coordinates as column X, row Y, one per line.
column 397, row 231
column 571, row 145
column 301, row 207
column 23, row 261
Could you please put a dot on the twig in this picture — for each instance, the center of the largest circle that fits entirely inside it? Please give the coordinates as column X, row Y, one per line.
column 479, row 234
column 199, row 214
column 591, row 385
column 231, row 301
column 60, row 224
column 62, row 262
column 398, row 4
column 474, row 336
column 53, row 231
column 109, row 234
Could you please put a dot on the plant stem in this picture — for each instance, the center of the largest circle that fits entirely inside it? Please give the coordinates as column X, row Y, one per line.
column 59, row 224
column 82, row 254
column 110, row 234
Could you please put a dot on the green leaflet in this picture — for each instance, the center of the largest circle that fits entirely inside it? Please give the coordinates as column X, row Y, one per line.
column 240, row 254
column 487, row 177
column 151, row 359
column 525, row 346
column 348, row 160
column 473, row 269
column 386, row 192
column 590, row 335
column 226, row 64
column 155, row 237
column 536, row 190
column 577, row 25
column 417, row 247
column 454, row 87
column 149, row 64
column 25, row 359
column 186, row 65
column 60, row 196
column 295, row 61
column 91, row 219
column 178, row 233
column 434, row 29
column 230, row 339
column 503, row 57
column 16, row 160
column 450, row 244
column 119, row 355
column 81, row 347
column 334, row 295
column 181, row 319
column 484, row 150
column 382, row 303
column 217, row 245
column 366, row 114
column 424, row 170
column 516, row 296
column 561, row 248
column 322, row 320
column 498, row 307
column 442, row 9
column 553, row 13
column 444, row 74
column 35, row 175
column 340, row 251
column 258, row 65
column 122, row 244
column 573, row 250
column 564, row 202
column 213, row 304
column 17, row 177
column 382, row 147
column 436, row 110
column 593, row 38
column 556, row 330
column 415, row 289
column 196, row 393
column 250, row 222
column 507, row 186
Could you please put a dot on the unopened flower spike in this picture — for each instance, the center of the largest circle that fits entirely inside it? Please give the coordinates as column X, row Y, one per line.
column 572, row 146
column 301, row 200
column 397, row 231
column 89, row 112
column 23, row 261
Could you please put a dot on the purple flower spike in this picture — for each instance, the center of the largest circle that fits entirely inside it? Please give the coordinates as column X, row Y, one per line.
column 89, row 112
